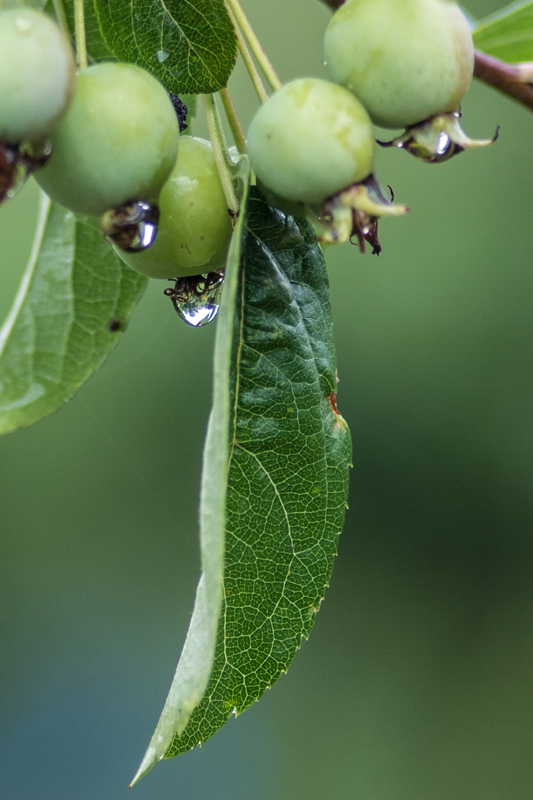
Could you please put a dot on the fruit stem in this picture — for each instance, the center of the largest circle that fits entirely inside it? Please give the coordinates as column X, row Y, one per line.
column 255, row 45
column 79, row 27
column 61, row 16
column 220, row 151
column 248, row 60
column 233, row 120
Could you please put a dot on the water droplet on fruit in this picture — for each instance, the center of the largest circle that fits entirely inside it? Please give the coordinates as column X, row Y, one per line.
column 131, row 227
column 197, row 298
column 23, row 25
column 162, row 55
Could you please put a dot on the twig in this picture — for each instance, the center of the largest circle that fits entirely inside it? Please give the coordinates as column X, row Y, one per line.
column 233, row 120
column 511, row 79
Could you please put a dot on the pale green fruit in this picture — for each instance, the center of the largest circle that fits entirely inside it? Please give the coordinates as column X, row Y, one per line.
column 310, row 140
column 406, row 60
column 37, row 75
column 194, row 224
column 117, row 143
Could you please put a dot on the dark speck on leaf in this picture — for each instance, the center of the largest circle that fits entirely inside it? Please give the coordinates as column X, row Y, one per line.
column 115, row 325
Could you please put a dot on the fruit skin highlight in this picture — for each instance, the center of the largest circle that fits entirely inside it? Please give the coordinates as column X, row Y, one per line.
column 37, row 75
column 194, row 224
column 117, row 144
column 406, row 60
column 310, row 140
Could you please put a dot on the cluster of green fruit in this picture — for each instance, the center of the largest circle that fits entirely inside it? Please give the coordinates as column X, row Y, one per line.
column 106, row 142
column 395, row 63
column 111, row 141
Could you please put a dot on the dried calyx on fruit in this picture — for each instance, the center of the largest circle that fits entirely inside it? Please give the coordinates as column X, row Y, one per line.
column 311, row 144
column 410, row 62
column 37, row 76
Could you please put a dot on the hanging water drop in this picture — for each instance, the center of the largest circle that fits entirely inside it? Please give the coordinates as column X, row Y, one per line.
column 131, row 227
column 197, row 298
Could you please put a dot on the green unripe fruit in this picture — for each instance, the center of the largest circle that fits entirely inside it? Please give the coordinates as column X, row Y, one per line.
column 406, row 60
column 310, row 140
column 37, row 74
column 117, row 143
column 194, row 224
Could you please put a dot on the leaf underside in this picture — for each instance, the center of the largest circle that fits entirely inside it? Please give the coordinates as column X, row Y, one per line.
column 73, row 302
column 507, row 34
column 290, row 452
column 189, row 45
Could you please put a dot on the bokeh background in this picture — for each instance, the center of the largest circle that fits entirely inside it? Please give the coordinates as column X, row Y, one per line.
column 417, row 682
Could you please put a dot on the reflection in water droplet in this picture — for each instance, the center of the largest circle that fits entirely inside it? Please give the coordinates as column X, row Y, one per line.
column 131, row 227
column 162, row 55
column 443, row 143
column 197, row 298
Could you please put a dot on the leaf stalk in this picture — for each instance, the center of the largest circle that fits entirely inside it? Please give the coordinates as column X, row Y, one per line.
column 254, row 43
column 220, row 152
column 248, row 60
column 59, row 8
column 79, row 27
column 231, row 114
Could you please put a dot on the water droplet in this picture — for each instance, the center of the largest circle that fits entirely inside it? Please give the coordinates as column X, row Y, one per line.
column 197, row 298
column 162, row 55
column 23, row 24
column 443, row 143
column 131, row 227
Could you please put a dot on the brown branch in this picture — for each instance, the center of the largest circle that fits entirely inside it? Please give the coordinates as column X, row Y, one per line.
column 511, row 79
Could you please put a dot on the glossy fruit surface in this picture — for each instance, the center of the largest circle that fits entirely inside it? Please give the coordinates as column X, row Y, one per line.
column 37, row 75
column 310, row 140
column 194, row 224
column 117, row 143
column 406, row 60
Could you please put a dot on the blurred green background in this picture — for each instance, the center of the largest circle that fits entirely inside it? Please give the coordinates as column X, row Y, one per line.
column 417, row 682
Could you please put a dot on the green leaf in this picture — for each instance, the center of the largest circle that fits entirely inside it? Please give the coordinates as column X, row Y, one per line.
column 507, row 34
column 196, row 661
column 96, row 47
column 75, row 298
column 189, row 45
column 288, row 473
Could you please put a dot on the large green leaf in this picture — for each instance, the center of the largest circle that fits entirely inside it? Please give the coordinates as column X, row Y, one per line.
column 75, row 298
column 188, row 44
column 507, row 34
column 288, row 473
column 196, row 660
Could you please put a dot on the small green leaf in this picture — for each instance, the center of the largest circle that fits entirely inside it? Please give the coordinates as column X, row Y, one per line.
column 507, row 34
column 189, row 45
column 75, row 298
column 288, row 472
